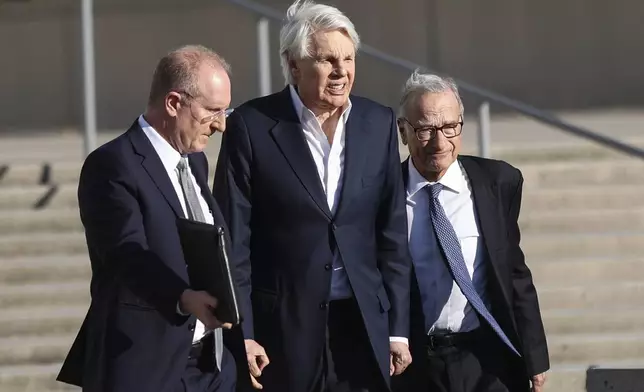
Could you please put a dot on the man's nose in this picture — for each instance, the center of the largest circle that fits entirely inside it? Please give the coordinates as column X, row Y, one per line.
column 219, row 125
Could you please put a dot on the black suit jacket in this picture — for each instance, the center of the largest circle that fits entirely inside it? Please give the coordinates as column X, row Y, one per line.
column 132, row 338
column 496, row 189
column 284, row 234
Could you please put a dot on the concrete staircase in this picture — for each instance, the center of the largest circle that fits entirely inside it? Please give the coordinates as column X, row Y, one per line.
column 583, row 234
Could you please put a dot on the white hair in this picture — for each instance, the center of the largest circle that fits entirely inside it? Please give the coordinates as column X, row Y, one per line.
column 303, row 20
column 420, row 83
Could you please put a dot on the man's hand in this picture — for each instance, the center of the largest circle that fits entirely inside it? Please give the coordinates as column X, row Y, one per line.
column 257, row 361
column 201, row 304
column 399, row 357
column 538, row 381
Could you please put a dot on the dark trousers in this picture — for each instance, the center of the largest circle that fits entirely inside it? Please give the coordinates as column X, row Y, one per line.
column 480, row 364
column 202, row 375
column 348, row 363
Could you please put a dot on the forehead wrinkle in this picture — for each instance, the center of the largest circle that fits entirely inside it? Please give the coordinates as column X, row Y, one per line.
column 437, row 116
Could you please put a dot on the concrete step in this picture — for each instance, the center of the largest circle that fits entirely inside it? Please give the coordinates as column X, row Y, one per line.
column 590, row 347
column 43, row 269
column 75, row 293
column 580, row 221
column 618, row 295
column 32, row 378
column 582, row 198
column 71, row 243
column 22, row 350
column 572, row 377
column 27, row 197
column 590, row 173
column 585, row 271
column 578, row 245
column 605, row 320
column 41, row 320
column 40, row 173
column 40, row 221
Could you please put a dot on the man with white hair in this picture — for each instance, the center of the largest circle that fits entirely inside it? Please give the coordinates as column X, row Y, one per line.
column 476, row 324
column 309, row 181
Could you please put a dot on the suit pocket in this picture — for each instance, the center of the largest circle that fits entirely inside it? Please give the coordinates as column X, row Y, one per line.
column 143, row 307
column 383, row 299
column 263, row 300
column 128, row 300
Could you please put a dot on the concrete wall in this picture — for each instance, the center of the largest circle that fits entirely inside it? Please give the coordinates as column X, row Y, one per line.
column 556, row 54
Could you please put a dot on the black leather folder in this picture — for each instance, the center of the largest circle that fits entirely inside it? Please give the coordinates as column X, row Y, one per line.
column 209, row 269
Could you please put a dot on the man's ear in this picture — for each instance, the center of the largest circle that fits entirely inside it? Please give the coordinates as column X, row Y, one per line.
column 401, row 131
column 295, row 71
column 172, row 102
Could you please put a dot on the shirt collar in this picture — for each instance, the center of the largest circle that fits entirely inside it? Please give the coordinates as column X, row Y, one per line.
column 169, row 156
column 302, row 110
column 453, row 179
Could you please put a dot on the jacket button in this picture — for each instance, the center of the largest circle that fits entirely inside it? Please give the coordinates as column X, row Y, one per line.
column 328, row 267
column 191, row 327
column 334, row 227
column 323, row 305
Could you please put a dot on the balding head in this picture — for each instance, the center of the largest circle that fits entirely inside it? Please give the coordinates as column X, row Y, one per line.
column 179, row 70
column 189, row 97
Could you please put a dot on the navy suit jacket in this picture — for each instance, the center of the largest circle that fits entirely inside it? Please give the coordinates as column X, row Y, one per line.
column 132, row 338
column 284, row 235
column 497, row 189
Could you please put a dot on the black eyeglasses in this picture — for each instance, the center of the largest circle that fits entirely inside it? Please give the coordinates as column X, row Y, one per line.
column 427, row 133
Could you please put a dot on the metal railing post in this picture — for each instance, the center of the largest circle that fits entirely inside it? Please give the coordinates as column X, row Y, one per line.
column 89, row 79
column 484, row 130
column 264, row 56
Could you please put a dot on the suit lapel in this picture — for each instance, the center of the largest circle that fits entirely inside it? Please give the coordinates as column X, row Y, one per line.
column 153, row 166
column 484, row 191
column 289, row 137
column 355, row 153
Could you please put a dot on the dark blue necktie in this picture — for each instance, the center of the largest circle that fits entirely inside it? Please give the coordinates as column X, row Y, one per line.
column 452, row 249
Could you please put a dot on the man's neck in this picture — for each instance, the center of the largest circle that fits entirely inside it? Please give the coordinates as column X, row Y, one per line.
column 157, row 122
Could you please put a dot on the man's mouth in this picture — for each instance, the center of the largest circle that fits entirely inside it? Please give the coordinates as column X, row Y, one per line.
column 336, row 87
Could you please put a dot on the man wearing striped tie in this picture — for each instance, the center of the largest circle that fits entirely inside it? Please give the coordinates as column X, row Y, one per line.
column 476, row 324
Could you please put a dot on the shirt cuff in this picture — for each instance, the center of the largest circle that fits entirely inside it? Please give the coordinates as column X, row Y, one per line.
column 180, row 312
column 399, row 339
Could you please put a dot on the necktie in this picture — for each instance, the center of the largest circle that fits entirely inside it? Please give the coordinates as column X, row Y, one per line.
column 448, row 241
column 195, row 213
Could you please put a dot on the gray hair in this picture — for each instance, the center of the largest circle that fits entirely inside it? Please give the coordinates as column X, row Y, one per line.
column 303, row 20
column 177, row 71
column 420, row 83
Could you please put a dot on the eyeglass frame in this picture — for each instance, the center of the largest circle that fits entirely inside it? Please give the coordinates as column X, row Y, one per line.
column 209, row 118
column 434, row 130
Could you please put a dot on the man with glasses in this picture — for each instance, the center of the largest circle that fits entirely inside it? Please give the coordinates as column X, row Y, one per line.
column 146, row 330
column 476, row 324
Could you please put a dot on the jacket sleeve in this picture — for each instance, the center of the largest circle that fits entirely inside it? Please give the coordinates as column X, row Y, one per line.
column 391, row 236
column 526, row 303
column 232, row 190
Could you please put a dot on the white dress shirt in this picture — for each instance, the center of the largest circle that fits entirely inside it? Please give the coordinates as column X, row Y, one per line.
column 170, row 159
column 329, row 161
column 456, row 315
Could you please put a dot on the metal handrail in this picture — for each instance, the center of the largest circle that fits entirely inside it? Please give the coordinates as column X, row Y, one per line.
column 525, row 109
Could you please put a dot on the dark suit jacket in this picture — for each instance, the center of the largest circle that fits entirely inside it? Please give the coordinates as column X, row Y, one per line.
column 132, row 338
column 282, row 230
column 497, row 189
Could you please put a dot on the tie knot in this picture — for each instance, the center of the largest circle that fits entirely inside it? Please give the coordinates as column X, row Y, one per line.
column 183, row 164
column 435, row 189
